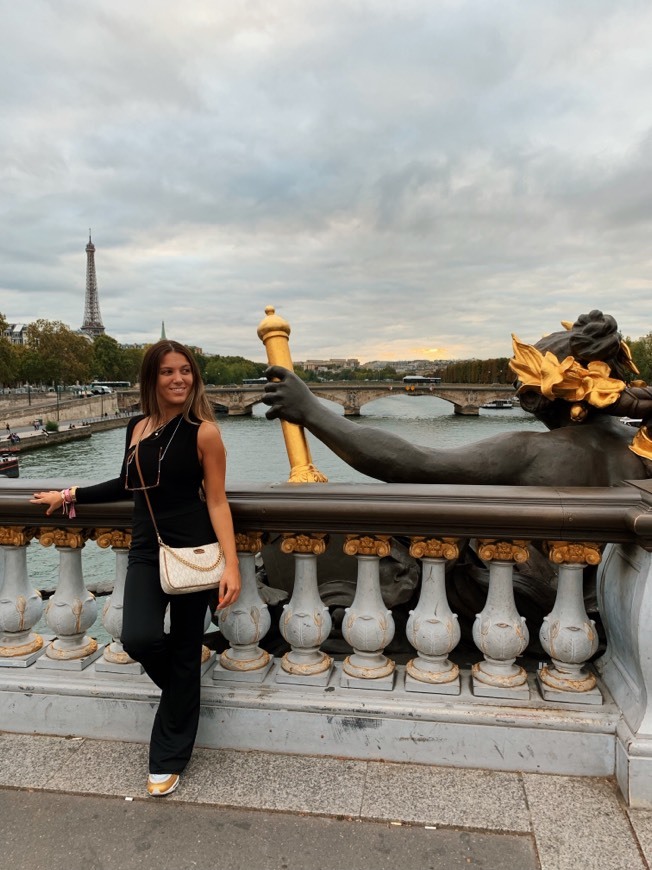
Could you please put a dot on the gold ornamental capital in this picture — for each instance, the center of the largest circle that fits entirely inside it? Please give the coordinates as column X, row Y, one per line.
column 306, row 474
column 574, row 553
column 367, row 545
column 120, row 539
column 74, row 538
column 434, row 548
column 249, row 542
column 16, row 536
column 492, row 550
column 273, row 326
column 305, row 544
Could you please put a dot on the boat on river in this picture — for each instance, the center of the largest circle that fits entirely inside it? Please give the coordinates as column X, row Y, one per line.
column 9, row 464
column 499, row 405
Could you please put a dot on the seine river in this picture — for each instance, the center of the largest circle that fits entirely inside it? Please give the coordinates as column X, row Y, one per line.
column 256, row 453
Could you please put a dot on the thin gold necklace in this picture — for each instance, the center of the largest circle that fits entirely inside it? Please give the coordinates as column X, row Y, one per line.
column 158, row 429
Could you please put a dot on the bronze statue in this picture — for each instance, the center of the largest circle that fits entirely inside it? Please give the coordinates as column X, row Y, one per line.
column 573, row 381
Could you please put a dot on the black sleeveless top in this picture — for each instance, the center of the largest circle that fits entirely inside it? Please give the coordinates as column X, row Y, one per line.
column 173, row 474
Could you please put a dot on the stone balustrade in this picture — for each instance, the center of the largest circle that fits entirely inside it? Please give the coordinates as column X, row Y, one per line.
column 438, row 700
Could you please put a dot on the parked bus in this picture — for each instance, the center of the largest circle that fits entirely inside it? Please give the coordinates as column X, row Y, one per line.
column 416, row 380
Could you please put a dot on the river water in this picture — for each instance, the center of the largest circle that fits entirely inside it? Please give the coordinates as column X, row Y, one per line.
column 256, row 453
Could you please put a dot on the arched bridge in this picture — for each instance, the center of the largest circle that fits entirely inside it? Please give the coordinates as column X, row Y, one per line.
column 465, row 398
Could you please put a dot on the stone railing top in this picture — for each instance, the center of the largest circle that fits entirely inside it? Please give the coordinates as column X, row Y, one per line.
column 617, row 514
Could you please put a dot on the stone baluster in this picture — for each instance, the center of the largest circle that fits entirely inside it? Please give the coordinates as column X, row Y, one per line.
column 72, row 610
column 21, row 606
column 368, row 625
column 115, row 659
column 432, row 628
column 245, row 622
column 567, row 634
column 306, row 622
column 208, row 655
column 498, row 631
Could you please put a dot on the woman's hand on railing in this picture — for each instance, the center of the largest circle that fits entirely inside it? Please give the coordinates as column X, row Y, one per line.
column 52, row 499
column 229, row 586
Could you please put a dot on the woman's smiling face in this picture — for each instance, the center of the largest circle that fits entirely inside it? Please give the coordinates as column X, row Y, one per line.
column 174, row 383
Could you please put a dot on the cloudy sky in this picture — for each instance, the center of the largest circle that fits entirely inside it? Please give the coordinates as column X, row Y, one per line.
column 402, row 179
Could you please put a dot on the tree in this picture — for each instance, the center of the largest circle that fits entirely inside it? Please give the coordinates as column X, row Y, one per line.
column 108, row 360
column 641, row 350
column 56, row 354
column 7, row 356
column 477, row 371
column 232, row 369
column 132, row 358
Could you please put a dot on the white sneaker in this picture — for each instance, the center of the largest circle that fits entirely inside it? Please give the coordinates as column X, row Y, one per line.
column 160, row 784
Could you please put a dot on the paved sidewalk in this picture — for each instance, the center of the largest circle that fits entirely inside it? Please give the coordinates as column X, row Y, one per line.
column 264, row 811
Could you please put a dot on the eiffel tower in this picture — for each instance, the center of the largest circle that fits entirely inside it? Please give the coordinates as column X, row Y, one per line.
column 92, row 325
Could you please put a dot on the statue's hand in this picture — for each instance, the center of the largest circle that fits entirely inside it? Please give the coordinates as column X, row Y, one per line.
column 287, row 395
column 634, row 402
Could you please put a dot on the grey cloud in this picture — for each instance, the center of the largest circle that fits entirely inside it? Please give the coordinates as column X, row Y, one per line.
column 429, row 175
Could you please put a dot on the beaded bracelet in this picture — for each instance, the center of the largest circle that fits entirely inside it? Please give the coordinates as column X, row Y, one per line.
column 68, row 499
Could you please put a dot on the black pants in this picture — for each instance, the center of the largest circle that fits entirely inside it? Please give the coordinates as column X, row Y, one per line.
column 172, row 661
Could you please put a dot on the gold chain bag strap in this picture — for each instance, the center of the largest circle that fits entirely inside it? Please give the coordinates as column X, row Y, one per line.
column 185, row 569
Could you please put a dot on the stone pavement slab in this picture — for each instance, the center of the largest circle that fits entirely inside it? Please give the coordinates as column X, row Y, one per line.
column 444, row 796
column 557, row 822
column 70, row 832
column 641, row 821
column 29, row 761
column 581, row 822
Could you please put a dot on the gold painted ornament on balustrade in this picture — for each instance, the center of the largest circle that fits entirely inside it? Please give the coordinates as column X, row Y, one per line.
column 492, row 550
column 306, row 544
column 274, row 332
column 367, row 545
column 248, row 542
column 119, row 539
column 574, row 553
column 434, row 548
column 17, row 536
column 73, row 538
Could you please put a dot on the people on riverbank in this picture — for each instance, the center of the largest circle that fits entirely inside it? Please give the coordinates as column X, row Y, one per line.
column 573, row 381
column 183, row 464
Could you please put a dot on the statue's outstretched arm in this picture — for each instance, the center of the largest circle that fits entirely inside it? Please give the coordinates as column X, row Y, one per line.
column 383, row 455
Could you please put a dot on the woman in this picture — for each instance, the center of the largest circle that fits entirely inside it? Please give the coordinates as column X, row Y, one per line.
column 183, row 463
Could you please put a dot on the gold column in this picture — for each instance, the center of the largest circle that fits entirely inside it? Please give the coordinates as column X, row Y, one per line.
column 274, row 332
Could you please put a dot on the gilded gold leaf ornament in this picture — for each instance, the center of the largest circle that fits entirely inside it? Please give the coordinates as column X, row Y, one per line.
column 566, row 379
column 120, row 539
column 571, row 553
column 642, row 443
column 16, row 536
column 434, row 548
column 74, row 538
column 249, row 542
column 367, row 545
column 315, row 544
column 491, row 550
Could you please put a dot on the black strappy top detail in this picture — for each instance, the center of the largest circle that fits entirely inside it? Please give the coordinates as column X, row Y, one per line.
column 173, row 474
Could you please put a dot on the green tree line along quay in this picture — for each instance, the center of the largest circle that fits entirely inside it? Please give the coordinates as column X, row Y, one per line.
column 55, row 354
